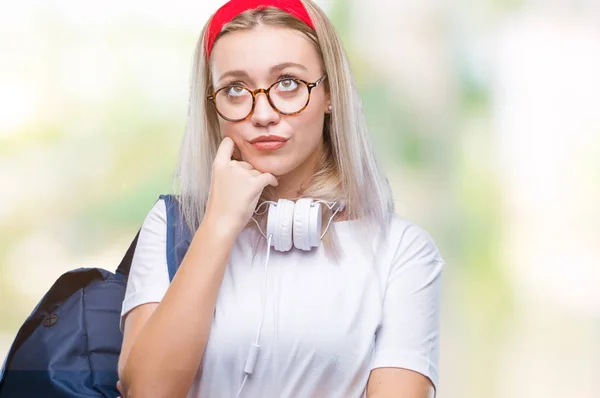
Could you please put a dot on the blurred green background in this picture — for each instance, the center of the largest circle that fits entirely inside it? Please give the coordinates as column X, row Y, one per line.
column 485, row 115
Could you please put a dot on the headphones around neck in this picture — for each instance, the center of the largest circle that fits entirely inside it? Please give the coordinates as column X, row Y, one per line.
column 288, row 223
column 297, row 223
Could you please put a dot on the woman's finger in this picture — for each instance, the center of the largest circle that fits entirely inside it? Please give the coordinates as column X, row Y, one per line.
column 244, row 165
column 225, row 150
column 268, row 179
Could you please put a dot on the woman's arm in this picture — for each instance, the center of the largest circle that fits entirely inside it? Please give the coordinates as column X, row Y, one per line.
column 133, row 323
column 398, row 383
column 407, row 342
column 164, row 343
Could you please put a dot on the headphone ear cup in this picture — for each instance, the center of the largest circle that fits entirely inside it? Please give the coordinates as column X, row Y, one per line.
column 302, row 223
column 315, row 219
column 272, row 222
column 285, row 219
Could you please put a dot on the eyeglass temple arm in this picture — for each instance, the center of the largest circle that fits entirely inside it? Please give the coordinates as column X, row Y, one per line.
column 315, row 84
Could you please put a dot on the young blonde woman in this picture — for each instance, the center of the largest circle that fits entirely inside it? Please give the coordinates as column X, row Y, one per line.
column 300, row 281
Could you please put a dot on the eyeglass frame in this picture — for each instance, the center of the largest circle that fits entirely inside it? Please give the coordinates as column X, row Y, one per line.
column 213, row 97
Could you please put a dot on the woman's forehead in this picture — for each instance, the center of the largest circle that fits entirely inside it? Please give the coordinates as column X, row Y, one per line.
column 258, row 51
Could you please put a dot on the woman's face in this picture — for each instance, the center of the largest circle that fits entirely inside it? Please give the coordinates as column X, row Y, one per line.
column 258, row 58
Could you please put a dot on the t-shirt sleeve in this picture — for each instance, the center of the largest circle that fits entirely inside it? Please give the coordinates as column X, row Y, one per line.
column 148, row 278
column 408, row 336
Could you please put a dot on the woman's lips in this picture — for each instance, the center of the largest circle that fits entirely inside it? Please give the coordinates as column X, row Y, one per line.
column 268, row 145
column 270, row 142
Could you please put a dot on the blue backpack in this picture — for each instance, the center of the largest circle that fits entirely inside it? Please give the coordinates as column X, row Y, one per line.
column 69, row 346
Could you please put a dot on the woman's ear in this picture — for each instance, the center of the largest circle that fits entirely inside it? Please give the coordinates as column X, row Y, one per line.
column 328, row 102
column 327, row 99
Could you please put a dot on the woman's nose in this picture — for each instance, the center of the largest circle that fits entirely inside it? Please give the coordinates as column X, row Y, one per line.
column 264, row 114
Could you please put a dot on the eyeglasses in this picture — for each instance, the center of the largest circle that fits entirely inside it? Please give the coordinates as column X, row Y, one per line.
column 288, row 96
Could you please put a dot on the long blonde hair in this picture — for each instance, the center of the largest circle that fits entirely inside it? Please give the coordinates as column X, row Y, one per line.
column 348, row 169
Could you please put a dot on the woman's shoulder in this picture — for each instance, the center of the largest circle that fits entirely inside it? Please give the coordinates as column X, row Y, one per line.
column 153, row 230
column 156, row 216
column 397, row 239
column 410, row 239
column 396, row 229
column 403, row 227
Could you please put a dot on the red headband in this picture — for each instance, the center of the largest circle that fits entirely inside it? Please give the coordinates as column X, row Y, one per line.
column 233, row 8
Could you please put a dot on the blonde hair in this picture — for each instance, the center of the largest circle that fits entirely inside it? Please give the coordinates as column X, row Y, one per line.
column 348, row 168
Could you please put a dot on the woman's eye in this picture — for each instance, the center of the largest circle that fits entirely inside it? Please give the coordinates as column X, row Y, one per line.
column 236, row 91
column 287, row 85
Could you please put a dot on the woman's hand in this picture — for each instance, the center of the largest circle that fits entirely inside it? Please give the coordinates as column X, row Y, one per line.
column 235, row 189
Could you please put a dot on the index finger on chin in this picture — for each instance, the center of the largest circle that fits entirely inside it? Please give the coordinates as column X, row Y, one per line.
column 225, row 150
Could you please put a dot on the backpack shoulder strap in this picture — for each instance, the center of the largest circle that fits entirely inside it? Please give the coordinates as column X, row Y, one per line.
column 178, row 234
column 122, row 271
column 178, row 240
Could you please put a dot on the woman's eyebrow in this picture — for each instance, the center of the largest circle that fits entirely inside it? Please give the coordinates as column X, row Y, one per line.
column 282, row 66
column 234, row 73
column 275, row 69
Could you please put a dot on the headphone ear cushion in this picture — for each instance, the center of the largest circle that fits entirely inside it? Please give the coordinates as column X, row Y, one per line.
column 285, row 222
column 302, row 223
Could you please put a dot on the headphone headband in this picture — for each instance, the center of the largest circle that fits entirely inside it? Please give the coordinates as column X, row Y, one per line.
column 233, row 8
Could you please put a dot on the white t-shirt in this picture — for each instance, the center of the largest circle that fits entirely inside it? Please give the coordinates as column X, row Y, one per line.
column 326, row 324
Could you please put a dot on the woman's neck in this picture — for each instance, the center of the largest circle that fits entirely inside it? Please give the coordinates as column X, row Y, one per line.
column 292, row 184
